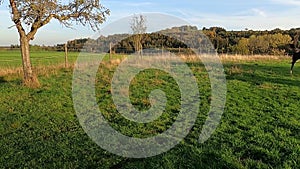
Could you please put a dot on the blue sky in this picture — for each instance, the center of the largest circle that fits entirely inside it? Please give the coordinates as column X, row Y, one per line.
column 229, row 14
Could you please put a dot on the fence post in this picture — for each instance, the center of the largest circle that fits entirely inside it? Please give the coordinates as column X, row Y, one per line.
column 66, row 55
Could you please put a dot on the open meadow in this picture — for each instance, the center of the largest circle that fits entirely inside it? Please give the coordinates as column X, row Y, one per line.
column 260, row 127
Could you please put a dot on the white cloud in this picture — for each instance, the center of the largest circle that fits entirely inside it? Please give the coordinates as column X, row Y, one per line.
column 287, row 2
column 259, row 12
column 138, row 4
column 256, row 20
column 128, row 4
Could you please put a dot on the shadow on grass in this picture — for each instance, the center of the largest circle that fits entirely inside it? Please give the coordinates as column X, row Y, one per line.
column 258, row 74
column 2, row 80
column 10, row 80
column 176, row 159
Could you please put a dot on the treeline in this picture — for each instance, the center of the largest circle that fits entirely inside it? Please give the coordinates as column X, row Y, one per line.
column 36, row 47
column 124, row 43
column 274, row 42
column 152, row 43
column 178, row 39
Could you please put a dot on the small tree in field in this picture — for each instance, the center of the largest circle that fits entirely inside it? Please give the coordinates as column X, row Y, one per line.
column 138, row 27
column 30, row 15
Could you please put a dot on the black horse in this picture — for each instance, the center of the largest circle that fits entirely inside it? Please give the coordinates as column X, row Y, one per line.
column 295, row 57
column 296, row 52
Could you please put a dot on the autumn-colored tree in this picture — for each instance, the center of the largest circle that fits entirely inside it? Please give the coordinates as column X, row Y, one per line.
column 269, row 44
column 34, row 14
column 242, row 47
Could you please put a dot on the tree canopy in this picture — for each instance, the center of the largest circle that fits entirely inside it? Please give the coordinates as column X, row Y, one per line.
column 30, row 15
column 37, row 13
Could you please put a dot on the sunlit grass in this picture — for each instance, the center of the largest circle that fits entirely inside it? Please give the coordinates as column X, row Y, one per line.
column 260, row 127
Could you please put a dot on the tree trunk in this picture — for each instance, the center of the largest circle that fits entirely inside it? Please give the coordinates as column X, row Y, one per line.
column 30, row 78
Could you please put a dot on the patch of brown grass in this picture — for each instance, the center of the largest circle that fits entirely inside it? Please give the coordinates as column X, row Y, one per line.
column 53, row 69
column 235, row 69
column 39, row 70
column 234, row 58
column 267, row 86
column 11, row 71
column 32, row 82
column 238, row 58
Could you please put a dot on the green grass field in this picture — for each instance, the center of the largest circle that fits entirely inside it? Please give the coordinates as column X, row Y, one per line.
column 260, row 127
column 12, row 58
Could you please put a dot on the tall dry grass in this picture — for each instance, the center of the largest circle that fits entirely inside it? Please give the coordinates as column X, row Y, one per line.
column 53, row 69
column 238, row 58
column 39, row 70
column 50, row 69
column 234, row 58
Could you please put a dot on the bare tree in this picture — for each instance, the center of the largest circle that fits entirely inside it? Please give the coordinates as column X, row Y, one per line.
column 30, row 15
column 138, row 27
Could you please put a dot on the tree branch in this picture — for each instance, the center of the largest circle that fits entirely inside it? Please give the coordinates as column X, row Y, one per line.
column 37, row 13
column 16, row 18
column 38, row 23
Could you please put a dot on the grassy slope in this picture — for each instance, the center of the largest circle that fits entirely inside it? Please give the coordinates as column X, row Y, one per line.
column 259, row 129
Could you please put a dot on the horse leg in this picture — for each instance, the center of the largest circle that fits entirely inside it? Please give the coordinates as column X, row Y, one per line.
column 293, row 63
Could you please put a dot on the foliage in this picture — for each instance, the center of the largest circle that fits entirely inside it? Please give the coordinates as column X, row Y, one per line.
column 242, row 47
column 154, row 41
column 37, row 13
column 273, row 42
column 269, row 44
